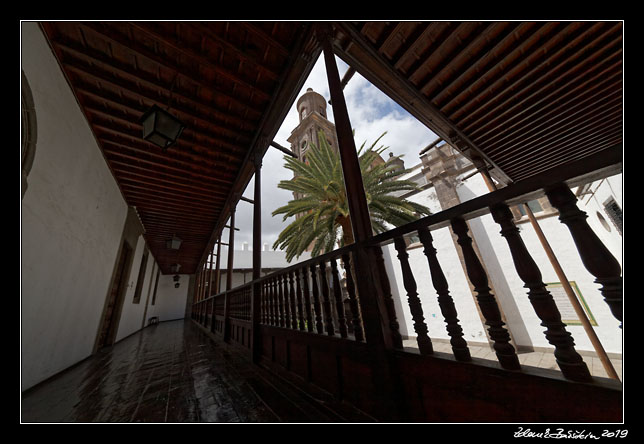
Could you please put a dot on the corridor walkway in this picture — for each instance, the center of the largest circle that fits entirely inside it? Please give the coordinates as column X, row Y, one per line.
column 173, row 372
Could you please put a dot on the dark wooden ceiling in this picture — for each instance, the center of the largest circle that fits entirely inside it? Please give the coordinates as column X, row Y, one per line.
column 525, row 96
column 522, row 96
column 227, row 81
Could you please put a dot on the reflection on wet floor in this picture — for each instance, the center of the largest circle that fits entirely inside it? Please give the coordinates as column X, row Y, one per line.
column 171, row 372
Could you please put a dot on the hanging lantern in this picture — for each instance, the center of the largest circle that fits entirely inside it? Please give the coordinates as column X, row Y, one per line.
column 161, row 127
column 174, row 243
column 176, row 280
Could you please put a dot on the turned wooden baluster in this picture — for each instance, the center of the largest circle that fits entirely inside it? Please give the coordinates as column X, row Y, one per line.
column 307, row 300
column 394, row 327
column 445, row 301
column 595, row 256
column 415, row 306
column 298, row 295
column 263, row 313
column 316, row 299
column 487, row 302
column 292, row 306
column 269, row 299
column 282, row 305
column 571, row 363
column 339, row 304
column 353, row 300
column 328, row 319
column 276, row 304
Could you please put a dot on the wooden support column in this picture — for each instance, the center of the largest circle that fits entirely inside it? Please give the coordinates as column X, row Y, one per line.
column 229, row 275
column 255, row 305
column 387, row 385
column 218, row 267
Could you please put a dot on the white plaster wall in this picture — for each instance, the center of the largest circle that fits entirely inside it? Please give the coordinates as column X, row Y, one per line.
column 72, row 217
column 170, row 303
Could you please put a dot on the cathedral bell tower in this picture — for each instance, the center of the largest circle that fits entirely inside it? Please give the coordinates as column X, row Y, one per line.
column 311, row 108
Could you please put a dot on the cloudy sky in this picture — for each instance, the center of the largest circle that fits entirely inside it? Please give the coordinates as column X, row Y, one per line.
column 371, row 113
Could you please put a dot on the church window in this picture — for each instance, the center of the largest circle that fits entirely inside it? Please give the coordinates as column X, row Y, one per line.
column 614, row 213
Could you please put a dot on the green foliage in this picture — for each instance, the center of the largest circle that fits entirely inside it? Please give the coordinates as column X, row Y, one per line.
column 322, row 202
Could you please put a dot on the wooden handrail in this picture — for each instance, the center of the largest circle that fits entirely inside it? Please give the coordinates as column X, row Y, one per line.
column 604, row 163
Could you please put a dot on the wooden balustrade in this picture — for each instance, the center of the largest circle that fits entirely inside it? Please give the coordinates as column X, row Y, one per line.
column 309, row 297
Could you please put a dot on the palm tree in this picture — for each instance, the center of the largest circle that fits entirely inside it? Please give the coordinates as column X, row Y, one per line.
column 320, row 202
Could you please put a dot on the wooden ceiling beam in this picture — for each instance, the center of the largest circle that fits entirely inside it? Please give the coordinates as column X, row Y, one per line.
column 133, row 108
column 208, row 202
column 494, row 49
column 177, row 156
column 586, row 103
column 93, row 58
column 157, row 194
column 181, row 151
column 277, row 46
column 183, row 182
column 225, row 46
column 512, row 59
column 474, row 39
column 556, row 85
column 153, row 177
column 106, row 80
column 146, row 28
column 115, row 149
column 555, row 58
column 420, row 35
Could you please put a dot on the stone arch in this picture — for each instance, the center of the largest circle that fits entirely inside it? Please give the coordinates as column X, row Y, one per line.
column 29, row 132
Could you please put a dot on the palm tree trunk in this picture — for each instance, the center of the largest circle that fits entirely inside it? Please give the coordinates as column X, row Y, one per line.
column 347, row 232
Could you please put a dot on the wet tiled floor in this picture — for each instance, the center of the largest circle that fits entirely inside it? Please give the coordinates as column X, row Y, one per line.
column 172, row 372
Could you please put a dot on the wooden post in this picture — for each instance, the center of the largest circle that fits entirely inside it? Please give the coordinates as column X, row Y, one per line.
column 257, row 263
column 229, row 275
column 387, row 384
column 218, row 267
column 356, row 198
